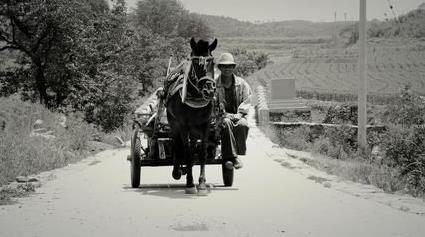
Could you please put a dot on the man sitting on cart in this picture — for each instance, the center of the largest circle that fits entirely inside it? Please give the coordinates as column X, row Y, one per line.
column 235, row 95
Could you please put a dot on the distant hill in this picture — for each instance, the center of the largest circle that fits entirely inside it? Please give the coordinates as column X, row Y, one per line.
column 410, row 25
column 230, row 27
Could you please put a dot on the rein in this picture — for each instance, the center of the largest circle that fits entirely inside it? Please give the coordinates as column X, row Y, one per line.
column 190, row 71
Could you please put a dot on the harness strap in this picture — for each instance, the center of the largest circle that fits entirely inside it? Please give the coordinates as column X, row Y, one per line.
column 185, row 79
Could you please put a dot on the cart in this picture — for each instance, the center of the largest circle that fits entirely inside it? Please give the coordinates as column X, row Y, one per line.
column 151, row 123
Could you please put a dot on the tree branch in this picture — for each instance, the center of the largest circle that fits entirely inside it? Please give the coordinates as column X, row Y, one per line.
column 9, row 47
column 3, row 38
column 14, row 45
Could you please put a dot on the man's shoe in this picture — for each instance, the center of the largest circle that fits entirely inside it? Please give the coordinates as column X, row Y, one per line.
column 237, row 164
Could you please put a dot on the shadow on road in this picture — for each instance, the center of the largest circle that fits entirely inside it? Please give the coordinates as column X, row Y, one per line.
column 174, row 191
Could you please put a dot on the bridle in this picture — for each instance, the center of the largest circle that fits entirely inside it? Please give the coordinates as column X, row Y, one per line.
column 204, row 61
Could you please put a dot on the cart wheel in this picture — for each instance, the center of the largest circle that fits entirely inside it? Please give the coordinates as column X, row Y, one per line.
column 135, row 159
column 227, row 174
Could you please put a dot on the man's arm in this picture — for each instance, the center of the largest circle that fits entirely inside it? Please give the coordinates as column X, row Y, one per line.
column 244, row 107
column 245, row 104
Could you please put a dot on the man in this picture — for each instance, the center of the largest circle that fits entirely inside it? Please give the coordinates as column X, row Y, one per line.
column 235, row 95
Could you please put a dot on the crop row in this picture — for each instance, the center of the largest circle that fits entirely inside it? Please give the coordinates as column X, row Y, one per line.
column 388, row 71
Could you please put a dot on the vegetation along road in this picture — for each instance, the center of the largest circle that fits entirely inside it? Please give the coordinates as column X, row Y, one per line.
column 275, row 194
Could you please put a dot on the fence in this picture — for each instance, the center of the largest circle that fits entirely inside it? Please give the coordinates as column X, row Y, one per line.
column 262, row 107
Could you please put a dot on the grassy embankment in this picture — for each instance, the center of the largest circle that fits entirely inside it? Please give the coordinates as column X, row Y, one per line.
column 23, row 153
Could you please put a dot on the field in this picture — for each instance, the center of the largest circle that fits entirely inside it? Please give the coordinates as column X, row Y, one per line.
column 391, row 66
column 278, row 48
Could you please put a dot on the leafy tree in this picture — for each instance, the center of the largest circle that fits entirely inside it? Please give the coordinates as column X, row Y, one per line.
column 170, row 19
column 37, row 29
column 71, row 53
column 81, row 55
column 102, row 82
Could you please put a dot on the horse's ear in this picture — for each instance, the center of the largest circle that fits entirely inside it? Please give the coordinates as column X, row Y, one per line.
column 213, row 45
column 193, row 44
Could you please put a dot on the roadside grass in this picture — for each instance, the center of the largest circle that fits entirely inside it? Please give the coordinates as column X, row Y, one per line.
column 335, row 159
column 360, row 171
column 118, row 136
column 23, row 154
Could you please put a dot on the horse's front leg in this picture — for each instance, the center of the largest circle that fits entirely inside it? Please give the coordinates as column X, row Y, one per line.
column 190, row 186
column 202, row 188
column 178, row 156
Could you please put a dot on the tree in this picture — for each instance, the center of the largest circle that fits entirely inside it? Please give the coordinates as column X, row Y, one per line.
column 72, row 54
column 82, row 55
column 43, row 30
column 170, row 19
column 30, row 27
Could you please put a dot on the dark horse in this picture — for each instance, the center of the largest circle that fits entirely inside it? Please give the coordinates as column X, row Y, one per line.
column 189, row 111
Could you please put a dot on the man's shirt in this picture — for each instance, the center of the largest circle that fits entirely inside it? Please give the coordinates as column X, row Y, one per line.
column 230, row 104
column 239, row 97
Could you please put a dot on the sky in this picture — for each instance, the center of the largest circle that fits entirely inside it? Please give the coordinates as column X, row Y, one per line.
column 312, row 10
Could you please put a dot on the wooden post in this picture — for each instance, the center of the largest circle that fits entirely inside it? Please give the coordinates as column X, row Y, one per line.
column 362, row 89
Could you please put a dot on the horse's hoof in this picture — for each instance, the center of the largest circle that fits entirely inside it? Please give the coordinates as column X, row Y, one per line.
column 191, row 190
column 228, row 165
column 202, row 189
column 177, row 174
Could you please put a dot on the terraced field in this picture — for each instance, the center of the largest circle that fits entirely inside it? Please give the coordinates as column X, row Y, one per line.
column 335, row 70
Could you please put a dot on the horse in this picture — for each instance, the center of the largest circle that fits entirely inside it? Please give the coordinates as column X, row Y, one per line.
column 189, row 107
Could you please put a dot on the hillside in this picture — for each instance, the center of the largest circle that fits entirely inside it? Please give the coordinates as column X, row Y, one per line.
column 408, row 26
column 230, row 27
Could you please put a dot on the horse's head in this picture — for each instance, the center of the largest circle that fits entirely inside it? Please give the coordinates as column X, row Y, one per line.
column 203, row 67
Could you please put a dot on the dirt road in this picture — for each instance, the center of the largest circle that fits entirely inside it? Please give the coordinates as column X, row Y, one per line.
column 94, row 198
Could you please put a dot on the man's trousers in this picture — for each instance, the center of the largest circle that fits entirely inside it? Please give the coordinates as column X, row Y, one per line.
column 233, row 138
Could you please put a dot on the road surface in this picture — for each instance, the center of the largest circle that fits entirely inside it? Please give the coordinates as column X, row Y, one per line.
column 94, row 198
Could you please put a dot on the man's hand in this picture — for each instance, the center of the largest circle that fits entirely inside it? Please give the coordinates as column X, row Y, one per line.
column 234, row 117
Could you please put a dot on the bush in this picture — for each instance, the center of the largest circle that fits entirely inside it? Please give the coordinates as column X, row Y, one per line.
column 405, row 148
column 404, row 143
column 249, row 62
column 407, row 109
column 293, row 138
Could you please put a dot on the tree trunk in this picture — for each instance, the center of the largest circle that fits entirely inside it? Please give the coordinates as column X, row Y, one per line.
column 40, row 81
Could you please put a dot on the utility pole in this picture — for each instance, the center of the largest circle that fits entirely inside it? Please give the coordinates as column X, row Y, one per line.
column 362, row 89
column 335, row 28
